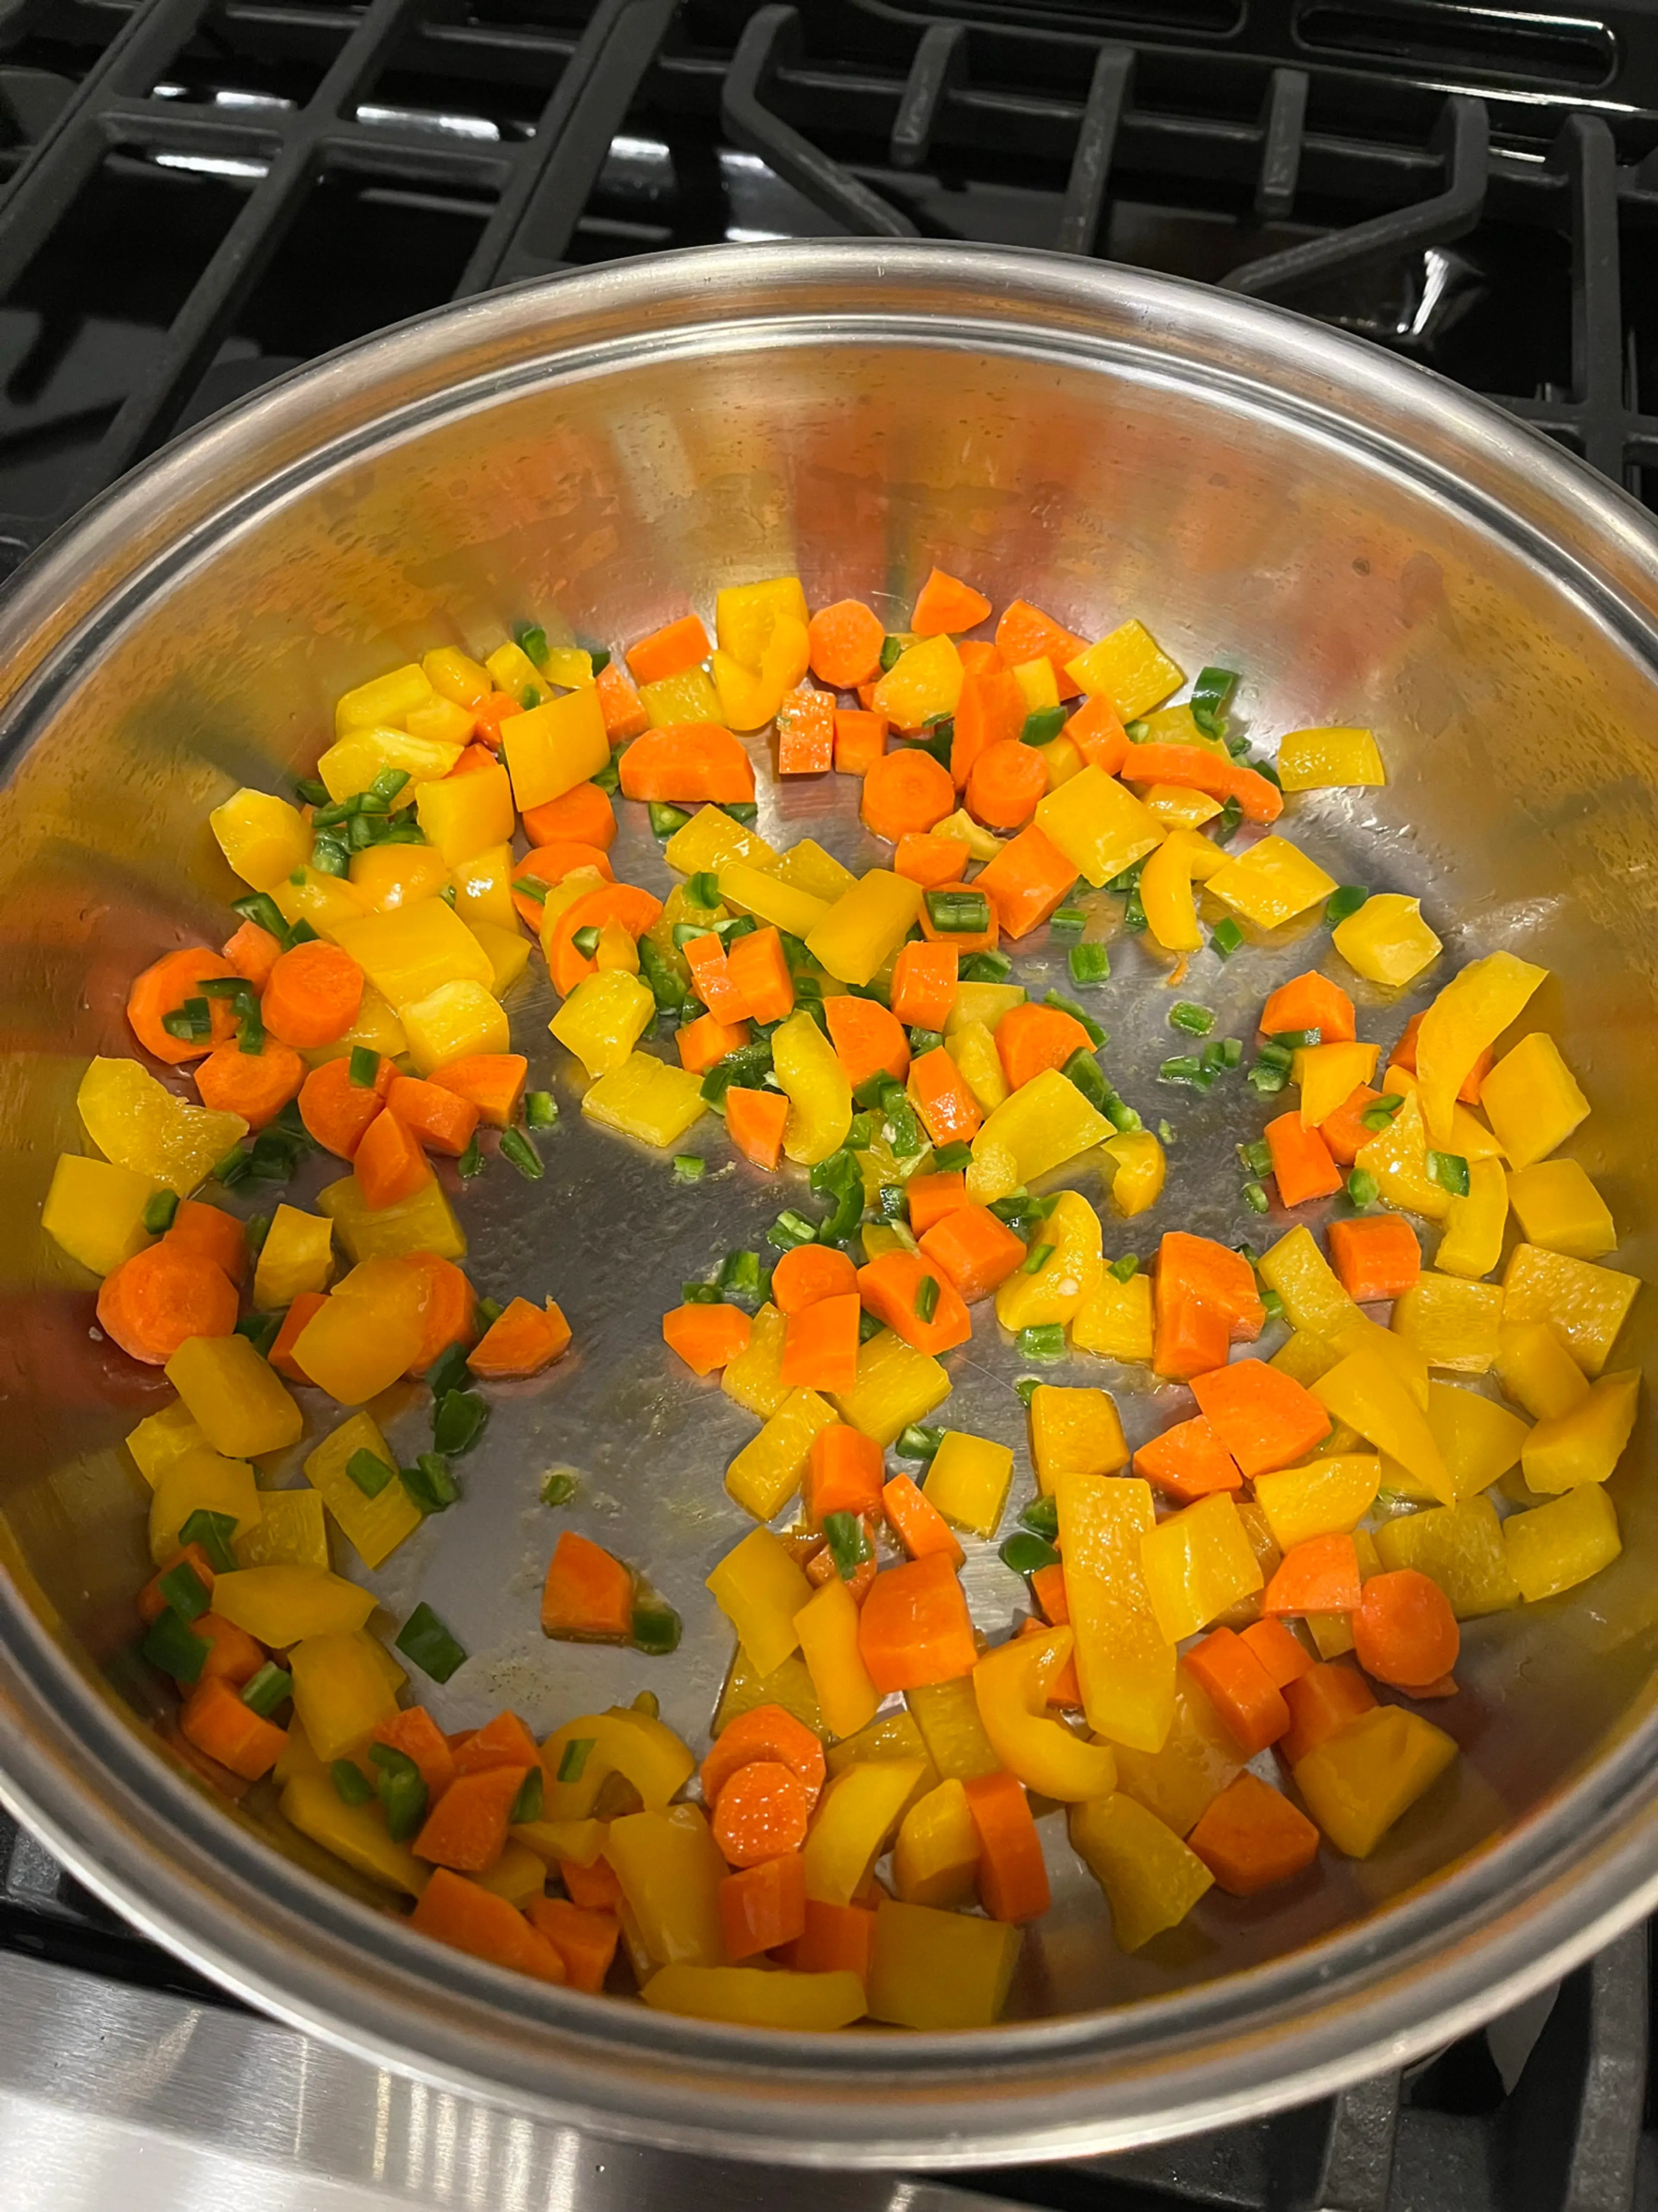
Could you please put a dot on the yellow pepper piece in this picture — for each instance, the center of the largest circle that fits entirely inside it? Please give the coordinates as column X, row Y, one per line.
column 385, row 698
column 297, row 1254
column 947, row 1716
column 1045, row 1123
column 137, row 1123
column 1140, row 1166
column 788, row 1686
column 1061, row 759
column 745, row 616
column 1125, row 1663
column 670, row 1869
column 1098, row 824
column 1116, row 1322
column 94, row 1211
column 1071, row 1273
column 1272, row 883
column 292, row 1531
column 864, row 929
column 508, row 952
column 754, row 1377
column 199, row 1479
column 511, row 669
column 856, row 1816
column 376, row 1026
column 982, row 843
column 1179, row 726
column 748, row 889
column 1452, row 1322
column 344, row 1685
column 482, row 886
column 1470, row 1013
column 1471, row 1243
column 1313, row 1296
column 1536, row 1369
column 768, row 1471
column 936, row 1971
column 1560, row 1209
column 645, row 1098
column 1012, row 1684
column 935, row 1860
column 981, row 1002
column 424, row 1222
column 1129, row 668
column 389, row 876
column 1326, row 759
column 377, row 1525
column 1179, row 807
column 1368, row 1393
column 464, row 814
column 815, row 1086
column 518, row 1874
column 1197, row 1759
column 235, row 1399
column 1398, row 1157
column 925, row 680
column 602, row 1019
column 710, row 841
column 556, row 746
column 1326, row 1497
column 366, row 1334
column 353, row 761
column 1074, row 1433
column 1328, row 1074
column 581, row 1842
column 896, row 1385
column 356, row 1833
column 1479, row 1440
column 1387, row 941
column 1197, row 1563
column 159, row 1438
column 808, row 868
column 1585, row 1444
column 1558, row 1545
column 455, row 1021
column 688, row 698
column 1303, row 1357
column 973, row 1049
column 1150, row 1879
column 891, row 1738
column 1532, row 1100
column 1588, row 1304
column 755, row 1997
column 408, row 953
column 283, row 1605
column 644, row 1752
column 1171, row 912
column 968, row 1481
column 1458, row 1547
column 455, row 676
column 263, row 837
column 1366, row 1776
column 1041, row 687
column 760, row 1589
column 321, row 902
column 827, row 1626
column 440, row 719
column 1358, row 1333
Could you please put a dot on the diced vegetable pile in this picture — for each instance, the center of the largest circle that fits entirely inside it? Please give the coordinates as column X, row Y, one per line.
column 1236, row 1633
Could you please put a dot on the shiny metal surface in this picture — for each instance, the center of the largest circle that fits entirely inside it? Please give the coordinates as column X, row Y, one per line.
column 1367, row 545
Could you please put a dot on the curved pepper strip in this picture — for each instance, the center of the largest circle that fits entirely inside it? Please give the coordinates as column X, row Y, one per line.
column 1471, row 1012
column 815, row 1086
column 1011, row 1685
column 643, row 1751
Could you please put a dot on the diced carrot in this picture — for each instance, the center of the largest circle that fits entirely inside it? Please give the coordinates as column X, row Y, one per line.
column 1191, row 1338
column 389, row 1165
column 1404, row 1055
column 254, row 952
column 163, row 989
column 522, row 1340
column 550, row 863
column 867, row 1039
column 923, row 985
column 255, row 1084
column 620, row 704
column 1247, row 1698
column 1344, row 1131
column 706, row 1337
column 1302, row 1165
column 755, row 1122
column 1251, row 1837
column 892, row 1287
column 1322, row 1703
column 503, row 1741
column 1377, row 1256
column 760, row 975
column 1031, row 1038
column 945, row 605
column 990, row 711
column 919, row 1527
column 232, row 1652
column 494, row 1081
column 914, row 1628
column 467, row 1917
column 843, row 1473
column 949, row 1113
column 1096, row 731
column 688, row 764
column 836, row 1939
column 670, row 651
column 974, row 1249
column 489, row 715
column 585, row 1941
column 763, row 1905
column 963, row 940
column 1013, row 1873
column 634, row 908
column 762, row 1812
column 1189, row 1461
column 860, row 739
column 769, row 1733
column 313, row 995
column 1311, row 1001
column 805, row 732
column 931, row 861
column 1193, row 768
column 440, row 1118
column 711, row 979
column 581, row 816
column 467, row 1829
column 156, row 1301
column 844, row 642
column 1199, row 1267
column 1318, row 1575
column 417, row 1736
column 280, row 1354
column 448, row 1308
column 929, row 1198
column 594, row 1888
column 1026, row 881
column 1024, row 633
column 588, row 1593
column 1064, row 1690
column 1048, row 1587
column 1005, row 784
column 337, row 1111
column 153, row 1600
column 820, row 1345
column 703, row 1043
column 907, row 790
column 978, row 656
column 474, row 760
column 1281, row 1655
column 808, row 1273
column 211, row 1234
column 214, row 1719
column 1404, row 1631
column 1263, row 1417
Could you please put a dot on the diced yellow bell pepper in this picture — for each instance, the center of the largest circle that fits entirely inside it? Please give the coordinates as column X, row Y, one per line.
column 1366, row 1392
column 1560, row 1209
column 670, row 1869
column 624, row 1740
column 1198, row 1758
column 159, row 1438
column 352, row 763
column 366, row 1332
column 511, row 669
column 827, row 1626
column 389, row 876
column 1360, row 1781
column 1140, row 1165
column 935, row 1860
column 1179, row 807
column 282, row 1605
column 1387, row 941
column 1197, row 1563
column 1272, row 883
column 968, row 1480
column 754, row 1996
column 138, row 1124
column 1045, row 1123
column 235, row 1399
column 1179, row 726
column 896, row 1385
column 925, row 680
column 376, row 1028
column 1313, row 1296
column 1452, row 1322
column 94, row 1211
column 603, row 1018
column 1536, row 1369
column 1172, row 911
column 297, row 1254
column 982, row 843
column 760, row 1589
column 745, row 614
column 344, row 1685
column 1069, row 1275
column 1398, row 1157
column 556, row 746
column 199, row 1480
column 645, row 1098
column 1012, row 1684
column 1479, row 1440
column 408, row 954
column 856, row 1816
column 465, row 814
column 1116, row 1322
column 1098, row 824
column 1471, row 1243
column 385, row 698
column 1532, row 1100
column 441, row 719
column 482, row 885
column 890, row 1738
column 1125, row 1663
column 936, row 1971
column 768, row 1471
column 323, row 902
column 1074, row 1433
column 1328, row 759
column 376, row 1525
column 581, row 1842
column 947, row 1716
column 973, row 1049
column 1458, row 1547
column 981, row 1002
column 356, row 1833
column 689, row 696
column 1060, row 757
column 815, row 1083
column 456, row 1021
column 1150, row 1879
column 517, row 1876
column 746, row 888
column 1129, row 668
column 263, row 837
column 864, row 929
column 1585, row 1444
column 1326, row 1497
column 1040, row 685
column 1329, row 1075
column 808, row 868
column 291, row 1531
column 1470, row 1013
column 453, row 675
column 1358, row 1333
column 711, row 840
column 1555, row 1547
column 1303, row 1357
column 1587, row 1304
column 424, row 1222
column 754, row 1377
column 509, row 953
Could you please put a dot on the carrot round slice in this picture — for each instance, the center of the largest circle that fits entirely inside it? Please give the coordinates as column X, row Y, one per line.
column 1031, row 1038
column 255, row 1084
column 449, row 1315
column 810, row 1272
column 845, row 643
column 687, row 763
column 1005, row 784
column 157, row 1300
column 337, row 1111
column 765, row 1732
column 211, row 1234
column 764, row 1811
column 313, row 995
column 624, row 902
column 581, row 816
column 1404, row 1631
column 163, row 989
column 906, row 790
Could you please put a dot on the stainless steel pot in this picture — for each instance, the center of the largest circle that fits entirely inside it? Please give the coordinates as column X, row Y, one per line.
column 1366, row 543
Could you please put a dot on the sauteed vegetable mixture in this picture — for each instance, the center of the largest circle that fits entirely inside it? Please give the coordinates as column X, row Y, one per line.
column 1237, row 1637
